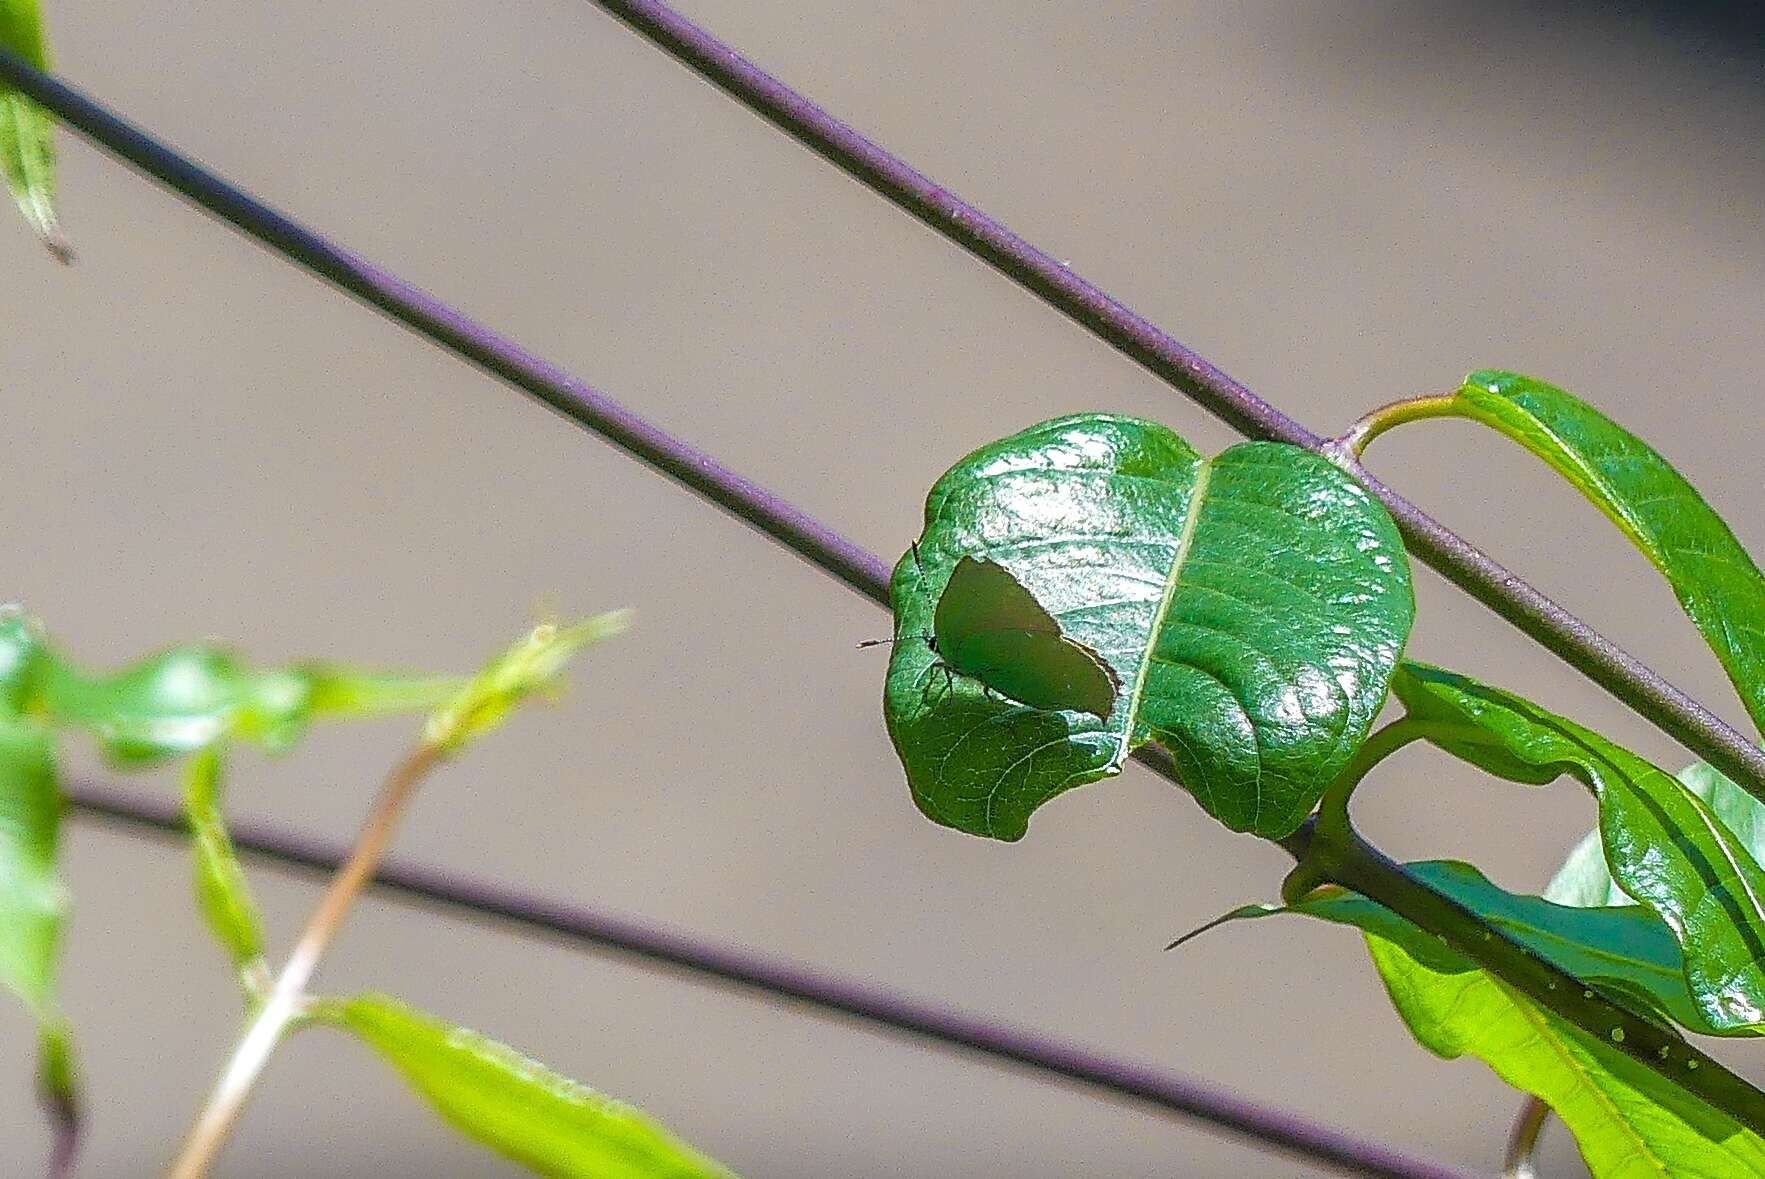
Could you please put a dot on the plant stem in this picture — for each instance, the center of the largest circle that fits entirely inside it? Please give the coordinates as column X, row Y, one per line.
column 1333, row 807
column 1519, row 1163
column 287, row 996
column 1356, row 864
column 1353, row 441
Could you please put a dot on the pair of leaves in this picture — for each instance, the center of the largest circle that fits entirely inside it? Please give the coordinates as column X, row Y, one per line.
column 1665, row 846
column 27, row 131
column 1251, row 607
column 1629, row 1121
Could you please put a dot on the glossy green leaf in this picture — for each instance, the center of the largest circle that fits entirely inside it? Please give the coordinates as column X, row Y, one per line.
column 223, row 895
column 532, row 666
column 27, row 131
column 1251, row 605
column 1626, row 952
column 551, row 1125
column 1628, row 1120
column 1666, row 847
column 1585, row 879
column 1711, row 573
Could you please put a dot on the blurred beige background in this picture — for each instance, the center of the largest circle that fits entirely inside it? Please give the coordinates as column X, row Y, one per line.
column 1339, row 203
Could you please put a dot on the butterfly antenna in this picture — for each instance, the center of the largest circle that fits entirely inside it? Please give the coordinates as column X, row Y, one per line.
column 874, row 643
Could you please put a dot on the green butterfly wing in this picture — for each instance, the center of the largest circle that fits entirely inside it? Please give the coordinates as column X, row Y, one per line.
column 990, row 628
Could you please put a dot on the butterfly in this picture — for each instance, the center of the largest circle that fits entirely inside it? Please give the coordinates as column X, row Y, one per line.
column 988, row 627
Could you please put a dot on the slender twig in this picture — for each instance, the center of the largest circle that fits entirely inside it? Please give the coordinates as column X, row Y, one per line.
column 1572, row 640
column 878, row 1006
column 1520, row 1161
column 283, row 1004
column 1379, row 877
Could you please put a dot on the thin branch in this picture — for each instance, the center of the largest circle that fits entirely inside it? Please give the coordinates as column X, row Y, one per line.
column 1343, row 857
column 876, row 1005
column 1380, row 878
column 286, row 997
column 1566, row 636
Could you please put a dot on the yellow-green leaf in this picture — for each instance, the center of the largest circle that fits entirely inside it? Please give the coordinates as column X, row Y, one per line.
column 223, row 895
column 1629, row 1122
column 514, row 1106
column 531, row 666
column 27, row 131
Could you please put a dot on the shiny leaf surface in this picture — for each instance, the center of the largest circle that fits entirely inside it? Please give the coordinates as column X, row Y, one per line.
column 1665, row 845
column 1585, row 879
column 518, row 1108
column 1251, row 605
column 1711, row 573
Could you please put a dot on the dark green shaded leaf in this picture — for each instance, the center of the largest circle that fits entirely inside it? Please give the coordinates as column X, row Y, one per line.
column 1584, row 878
column 1665, row 845
column 223, row 895
column 516, row 1107
column 1627, row 953
column 1628, row 1120
column 1711, row 573
column 27, row 131
column 1252, row 607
